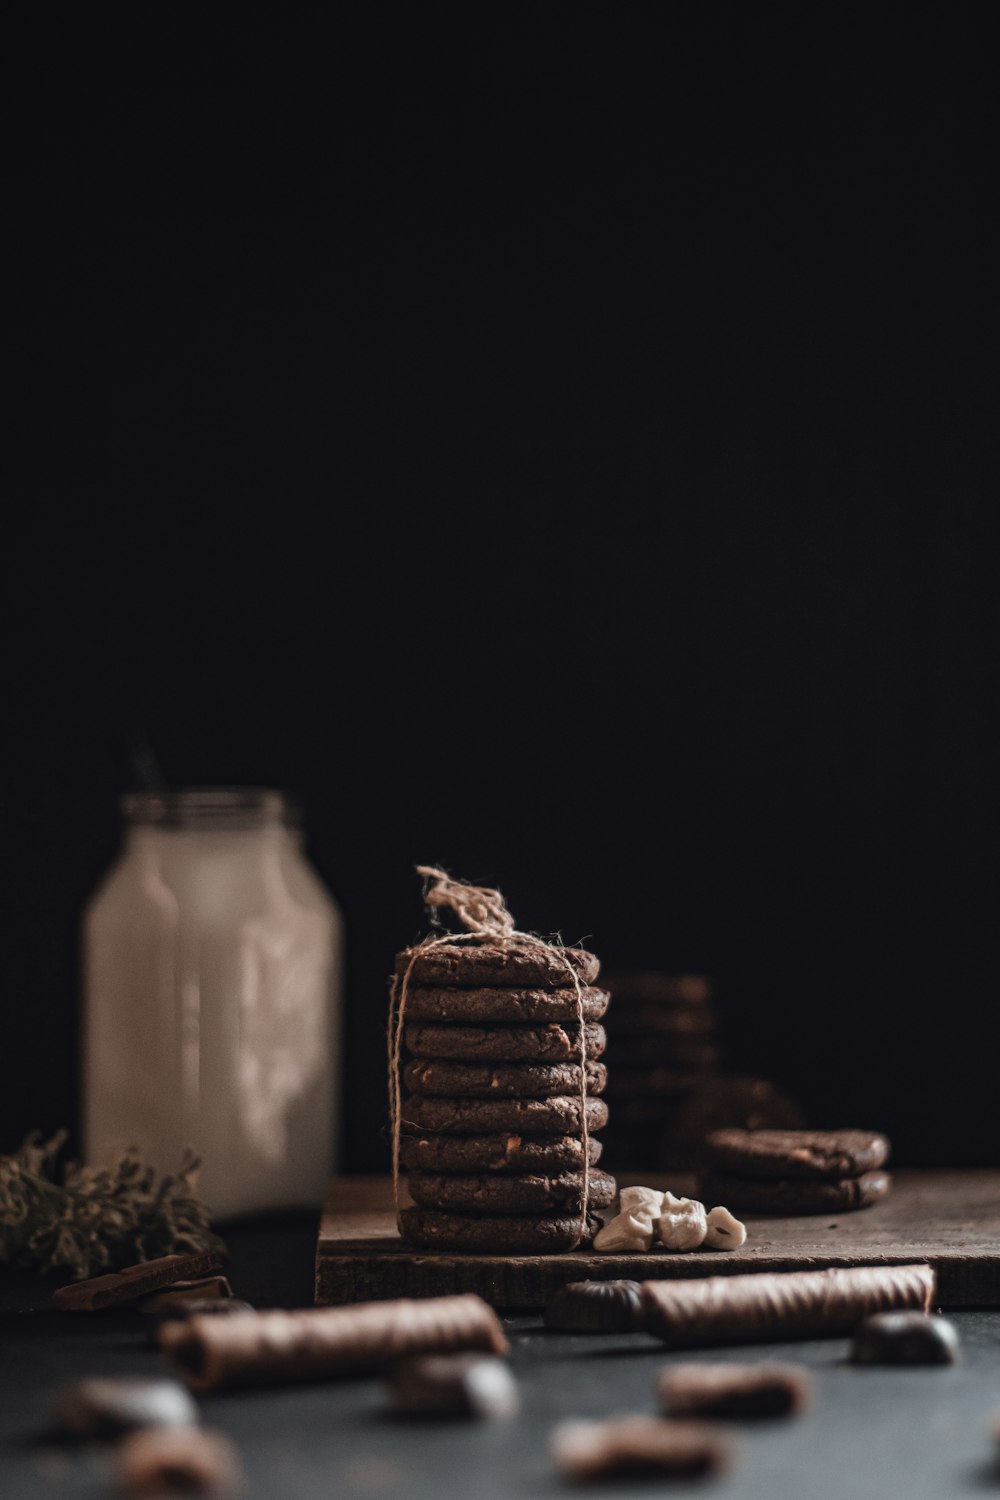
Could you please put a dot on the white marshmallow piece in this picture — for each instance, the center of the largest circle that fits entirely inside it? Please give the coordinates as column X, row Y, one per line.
column 624, row 1233
column 643, row 1202
column 725, row 1232
column 682, row 1224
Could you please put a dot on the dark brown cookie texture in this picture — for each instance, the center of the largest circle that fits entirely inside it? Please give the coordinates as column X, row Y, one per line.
column 771, row 1195
column 490, row 1006
column 595, row 1307
column 552, row 1043
column 501, row 1153
column 825, row 1155
column 559, row 1115
column 549, row 1234
column 517, row 1194
column 499, row 965
column 502, row 1080
column 731, row 1390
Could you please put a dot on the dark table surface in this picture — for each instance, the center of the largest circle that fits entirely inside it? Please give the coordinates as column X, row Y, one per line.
column 870, row 1433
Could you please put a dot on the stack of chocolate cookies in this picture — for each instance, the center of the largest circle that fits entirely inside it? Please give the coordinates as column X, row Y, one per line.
column 796, row 1171
column 492, row 1110
column 662, row 1046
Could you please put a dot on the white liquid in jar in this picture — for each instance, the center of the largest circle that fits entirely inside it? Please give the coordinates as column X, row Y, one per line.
column 211, row 976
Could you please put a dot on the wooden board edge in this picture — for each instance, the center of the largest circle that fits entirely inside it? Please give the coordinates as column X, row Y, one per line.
column 527, row 1283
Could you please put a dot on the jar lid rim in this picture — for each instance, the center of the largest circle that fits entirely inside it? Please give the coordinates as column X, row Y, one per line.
column 215, row 807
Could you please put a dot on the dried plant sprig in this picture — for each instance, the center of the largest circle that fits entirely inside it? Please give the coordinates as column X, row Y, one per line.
column 92, row 1219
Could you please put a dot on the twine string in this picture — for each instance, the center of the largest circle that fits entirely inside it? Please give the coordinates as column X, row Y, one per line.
column 485, row 916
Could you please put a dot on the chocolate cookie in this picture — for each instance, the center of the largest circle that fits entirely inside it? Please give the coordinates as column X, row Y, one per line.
column 825, row 1155
column 485, row 1007
column 496, row 1153
column 507, row 1235
column 744, row 1102
column 771, row 1195
column 510, row 1195
column 469, row 965
column 557, row 1116
column 552, row 1043
column 502, row 1080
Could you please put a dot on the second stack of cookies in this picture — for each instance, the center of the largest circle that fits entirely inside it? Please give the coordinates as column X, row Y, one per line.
column 663, row 1046
column 492, row 1111
column 797, row 1171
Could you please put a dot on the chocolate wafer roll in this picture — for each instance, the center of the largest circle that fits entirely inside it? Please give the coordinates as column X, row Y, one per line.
column 776, row 1305
column 318, row 1343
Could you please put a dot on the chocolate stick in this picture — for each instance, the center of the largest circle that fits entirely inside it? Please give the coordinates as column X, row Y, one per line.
column 317, row 1343
column 794, row 1304
column 135, row 1281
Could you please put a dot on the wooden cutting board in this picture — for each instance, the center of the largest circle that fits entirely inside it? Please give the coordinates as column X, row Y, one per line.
column 949, row 1219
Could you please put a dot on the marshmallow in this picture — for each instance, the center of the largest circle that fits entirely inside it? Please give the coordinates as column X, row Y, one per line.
column 682, row 1224
column 724, row 1232
column 624, row 1232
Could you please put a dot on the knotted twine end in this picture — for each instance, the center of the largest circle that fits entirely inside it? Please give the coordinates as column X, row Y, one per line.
column 478, row 907
column 483, row 913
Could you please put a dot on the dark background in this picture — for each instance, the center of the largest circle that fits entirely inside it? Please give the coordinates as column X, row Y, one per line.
column 558, row 441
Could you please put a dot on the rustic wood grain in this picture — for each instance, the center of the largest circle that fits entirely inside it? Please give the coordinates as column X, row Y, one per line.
column 949, row 1219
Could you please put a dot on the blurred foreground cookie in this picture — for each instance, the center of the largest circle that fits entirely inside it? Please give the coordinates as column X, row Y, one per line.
column 825, row 1155
column 495, row 965
column 638, row 1445
column 454, row 1385
column 105, row 1407
column 595, row 1307
column 769, row 1195
column 522, row 1194
column 496, row 1235
column 731, row 1390
column 179, row 1461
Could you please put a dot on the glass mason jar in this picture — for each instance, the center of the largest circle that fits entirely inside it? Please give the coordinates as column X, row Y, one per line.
column 212, row 975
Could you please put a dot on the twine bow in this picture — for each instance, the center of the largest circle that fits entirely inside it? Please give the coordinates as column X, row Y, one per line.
column 482, row 911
